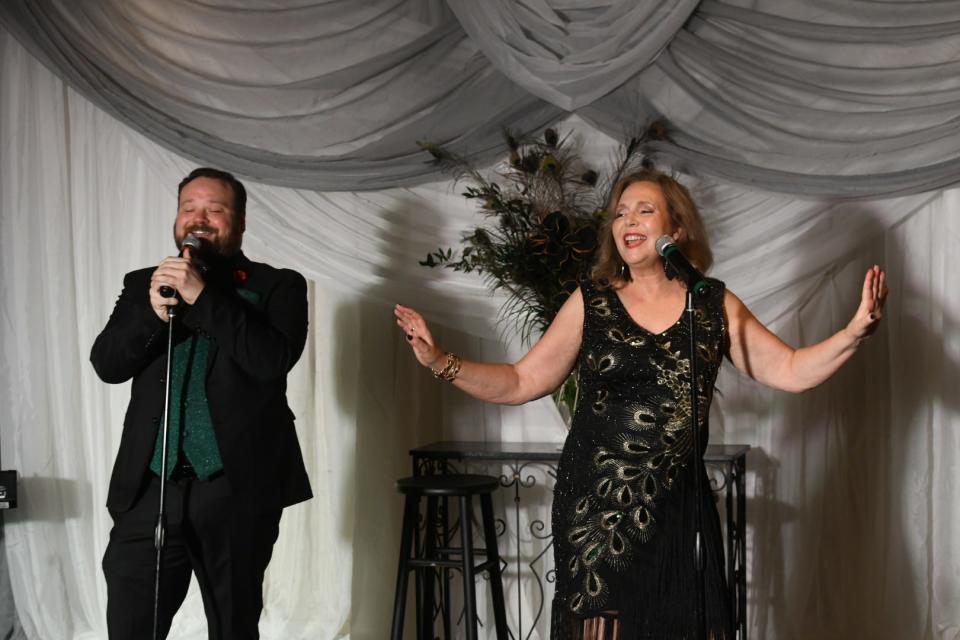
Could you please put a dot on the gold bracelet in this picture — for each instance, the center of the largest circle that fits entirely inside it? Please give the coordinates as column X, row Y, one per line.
column 450, row 370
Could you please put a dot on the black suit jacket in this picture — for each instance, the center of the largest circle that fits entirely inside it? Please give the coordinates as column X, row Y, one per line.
column 255, row 339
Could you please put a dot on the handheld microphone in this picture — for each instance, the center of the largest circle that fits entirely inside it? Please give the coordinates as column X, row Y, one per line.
column 191, row 241
column 695, row 281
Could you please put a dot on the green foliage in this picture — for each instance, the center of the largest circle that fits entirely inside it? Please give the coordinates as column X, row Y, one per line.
column 543, row 213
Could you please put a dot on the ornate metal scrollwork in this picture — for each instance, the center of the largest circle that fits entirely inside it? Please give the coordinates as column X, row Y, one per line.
column 719, row 476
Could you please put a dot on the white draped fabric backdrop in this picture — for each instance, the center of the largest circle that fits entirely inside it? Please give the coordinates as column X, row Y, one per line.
column 852, row 514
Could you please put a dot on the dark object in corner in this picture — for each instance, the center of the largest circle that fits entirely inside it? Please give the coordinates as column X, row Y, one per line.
column 8, row 489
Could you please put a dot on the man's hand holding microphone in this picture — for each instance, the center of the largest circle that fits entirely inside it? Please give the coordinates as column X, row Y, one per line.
column 175, row 279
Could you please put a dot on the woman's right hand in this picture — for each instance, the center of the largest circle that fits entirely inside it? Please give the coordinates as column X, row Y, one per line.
column 419, row 336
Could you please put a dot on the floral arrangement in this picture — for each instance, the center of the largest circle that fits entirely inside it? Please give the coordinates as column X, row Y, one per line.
column 544, row 209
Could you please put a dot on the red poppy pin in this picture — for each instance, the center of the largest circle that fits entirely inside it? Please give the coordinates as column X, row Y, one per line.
column 239, row 276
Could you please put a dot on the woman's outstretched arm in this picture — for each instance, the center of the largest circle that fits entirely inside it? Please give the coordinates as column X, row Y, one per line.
column 539, row 372
column 759, row 353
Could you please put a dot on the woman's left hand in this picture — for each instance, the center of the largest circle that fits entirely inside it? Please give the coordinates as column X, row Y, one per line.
column 867, row 318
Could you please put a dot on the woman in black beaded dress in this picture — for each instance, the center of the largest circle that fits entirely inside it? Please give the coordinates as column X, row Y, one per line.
column 624, row 502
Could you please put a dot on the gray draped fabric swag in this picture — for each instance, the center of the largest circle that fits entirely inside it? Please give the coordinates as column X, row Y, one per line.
column 834, row 98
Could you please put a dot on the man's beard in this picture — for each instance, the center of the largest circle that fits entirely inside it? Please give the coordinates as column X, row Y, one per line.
column 222, row 245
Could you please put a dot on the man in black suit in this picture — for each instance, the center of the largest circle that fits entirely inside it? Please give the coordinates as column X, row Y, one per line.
column 234, row 461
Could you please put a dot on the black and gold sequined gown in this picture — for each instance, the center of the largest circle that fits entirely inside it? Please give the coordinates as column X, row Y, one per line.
column 624, row 505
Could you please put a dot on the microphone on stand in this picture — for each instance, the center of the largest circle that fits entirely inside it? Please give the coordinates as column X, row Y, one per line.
column 696, row 285
column 696, row 282
column 159, row 533
column 193, row 243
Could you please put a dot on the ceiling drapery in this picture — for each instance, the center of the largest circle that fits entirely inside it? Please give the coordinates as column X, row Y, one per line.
column 571, row 54
column 844, row 98
column 324, row 96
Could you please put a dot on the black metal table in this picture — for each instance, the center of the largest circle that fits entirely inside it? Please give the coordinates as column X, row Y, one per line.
column 725, row 463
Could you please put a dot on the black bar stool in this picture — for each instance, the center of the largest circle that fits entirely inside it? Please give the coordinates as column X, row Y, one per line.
column 437, row 556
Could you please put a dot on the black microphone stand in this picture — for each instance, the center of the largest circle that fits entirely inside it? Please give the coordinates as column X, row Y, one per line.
column 159, row 534
column 699, row 562
column 675, row 264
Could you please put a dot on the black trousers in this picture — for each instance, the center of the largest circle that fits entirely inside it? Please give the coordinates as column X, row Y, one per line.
column 210, row 533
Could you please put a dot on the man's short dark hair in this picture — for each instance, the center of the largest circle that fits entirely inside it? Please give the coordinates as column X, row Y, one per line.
column 239, row 191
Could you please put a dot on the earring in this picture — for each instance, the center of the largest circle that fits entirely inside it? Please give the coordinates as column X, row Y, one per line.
column 667, row 270
column 623, row 271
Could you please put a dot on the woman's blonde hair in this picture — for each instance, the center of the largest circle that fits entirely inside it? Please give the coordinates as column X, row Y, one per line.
column 610, row 270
